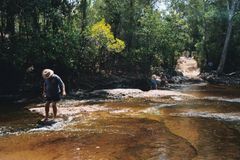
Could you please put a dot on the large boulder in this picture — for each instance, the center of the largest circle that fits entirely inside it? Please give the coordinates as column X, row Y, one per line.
column 188, row 67
column 134, row 93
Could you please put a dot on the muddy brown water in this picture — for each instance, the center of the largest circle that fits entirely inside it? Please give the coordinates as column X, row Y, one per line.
column 206, row 127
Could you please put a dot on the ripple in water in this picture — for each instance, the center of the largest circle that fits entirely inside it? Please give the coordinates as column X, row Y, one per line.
column 155, row 109
column 218, row 116
column 234, row 100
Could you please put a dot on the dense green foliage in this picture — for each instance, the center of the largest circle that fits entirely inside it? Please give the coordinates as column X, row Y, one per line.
column 76, row 37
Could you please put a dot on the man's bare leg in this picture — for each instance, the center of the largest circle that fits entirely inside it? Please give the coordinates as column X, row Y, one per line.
column 47, row 110
column 54, row 106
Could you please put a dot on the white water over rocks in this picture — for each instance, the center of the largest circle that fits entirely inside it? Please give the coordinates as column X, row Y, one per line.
column 67, row 111
column 219, row 116
column 155, row 109
column 137, row 93
column 56, row 125
column 234, row 100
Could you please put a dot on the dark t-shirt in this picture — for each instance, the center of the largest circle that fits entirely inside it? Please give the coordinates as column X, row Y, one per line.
column 153, row 84
column 53, row 86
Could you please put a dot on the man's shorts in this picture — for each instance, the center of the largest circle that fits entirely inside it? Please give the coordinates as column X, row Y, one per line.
column 53, row 98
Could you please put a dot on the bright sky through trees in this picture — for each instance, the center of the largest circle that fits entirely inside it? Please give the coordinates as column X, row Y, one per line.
column 160, row 5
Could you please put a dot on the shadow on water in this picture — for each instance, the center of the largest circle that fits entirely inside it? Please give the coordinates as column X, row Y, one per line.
column 15, row 118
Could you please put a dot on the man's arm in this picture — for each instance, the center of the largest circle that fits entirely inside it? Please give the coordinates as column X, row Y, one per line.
column 44, row 90
column 62, row 86
column 63, row 90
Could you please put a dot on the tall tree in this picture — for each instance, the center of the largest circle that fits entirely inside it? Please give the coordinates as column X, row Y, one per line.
column 11, row 13
column 232, row 8
column 83, row 8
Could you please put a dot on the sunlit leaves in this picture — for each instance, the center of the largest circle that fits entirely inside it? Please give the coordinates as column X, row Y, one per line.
column 103, row 36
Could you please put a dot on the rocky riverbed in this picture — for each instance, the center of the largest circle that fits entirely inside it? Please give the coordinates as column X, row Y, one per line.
column 187, row 122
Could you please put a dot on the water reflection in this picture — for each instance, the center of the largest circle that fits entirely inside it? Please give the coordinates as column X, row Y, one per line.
column 207, row 90
column 120, row 138
column 16, row 118
column 210, row 141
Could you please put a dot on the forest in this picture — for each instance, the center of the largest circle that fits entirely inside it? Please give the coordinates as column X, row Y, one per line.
column 78, row 38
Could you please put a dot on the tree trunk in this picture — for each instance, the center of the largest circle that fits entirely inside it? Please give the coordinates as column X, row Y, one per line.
column 2, row 26
column 84, row 14
column 231, row 12
column 83, row 10
column 35, row 23
column 131, row 24
column 10, row 26
column 225, row 48
column 205, row 50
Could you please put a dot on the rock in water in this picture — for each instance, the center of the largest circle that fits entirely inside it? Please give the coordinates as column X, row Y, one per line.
column 188, row 67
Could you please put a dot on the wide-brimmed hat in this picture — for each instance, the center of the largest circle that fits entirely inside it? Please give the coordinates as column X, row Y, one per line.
column 47, row 73
column 154, row 76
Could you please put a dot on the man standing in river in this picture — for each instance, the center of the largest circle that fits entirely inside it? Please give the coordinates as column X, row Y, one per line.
column 52, row 89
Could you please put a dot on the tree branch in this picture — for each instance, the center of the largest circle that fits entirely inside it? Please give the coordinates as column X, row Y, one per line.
column 236, row 8
column 238, row 5
column 236, row 13
column 228, row 6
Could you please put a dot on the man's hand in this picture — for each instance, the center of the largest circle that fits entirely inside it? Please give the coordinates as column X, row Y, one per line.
column 64, row 93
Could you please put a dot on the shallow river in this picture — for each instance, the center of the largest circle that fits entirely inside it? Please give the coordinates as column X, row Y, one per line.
column 206, row 127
